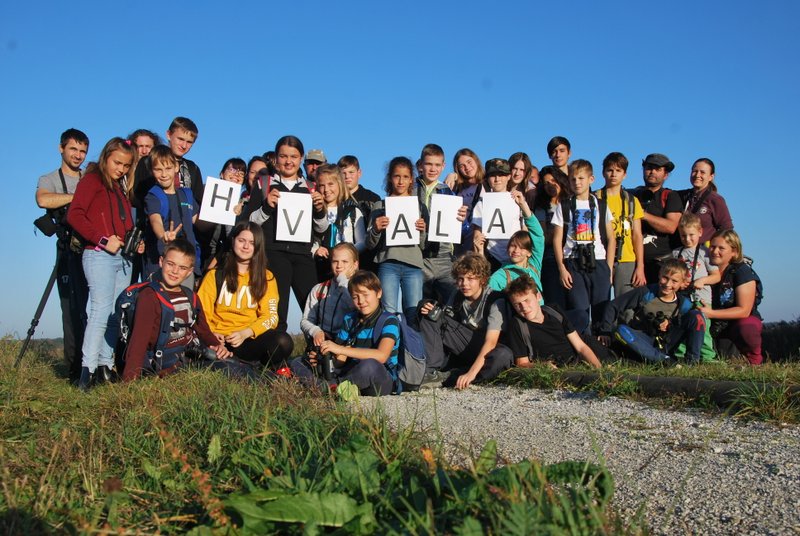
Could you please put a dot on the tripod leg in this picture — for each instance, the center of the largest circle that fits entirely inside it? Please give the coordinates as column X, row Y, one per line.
column 38, row 314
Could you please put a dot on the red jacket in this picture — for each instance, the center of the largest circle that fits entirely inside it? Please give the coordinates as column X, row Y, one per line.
column 96, row 211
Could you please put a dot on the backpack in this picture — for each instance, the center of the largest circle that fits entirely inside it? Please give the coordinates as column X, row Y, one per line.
column 159, row 358
column 411, row 360
column 627, row 202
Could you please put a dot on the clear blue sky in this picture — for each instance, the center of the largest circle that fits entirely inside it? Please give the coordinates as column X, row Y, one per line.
column 688, row 79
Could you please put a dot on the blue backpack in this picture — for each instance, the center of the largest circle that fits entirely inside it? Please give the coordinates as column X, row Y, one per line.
column 158, row 358
column 411, row 360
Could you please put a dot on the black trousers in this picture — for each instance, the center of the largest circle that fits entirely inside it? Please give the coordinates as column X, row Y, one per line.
column 73, row 293
column 295, row 272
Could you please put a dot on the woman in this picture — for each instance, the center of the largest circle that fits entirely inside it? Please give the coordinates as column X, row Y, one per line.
column 240, row 301
column 735, row 299
column 521, row 172
column 290, row 261
column 341, row 220
column 554, row 189
column 702, row 199
column 100, row 213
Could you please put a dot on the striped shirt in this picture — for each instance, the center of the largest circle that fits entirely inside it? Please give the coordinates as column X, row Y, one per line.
column 356, row 335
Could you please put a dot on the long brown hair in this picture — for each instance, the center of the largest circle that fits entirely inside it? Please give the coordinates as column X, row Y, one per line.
column 258, row 264
column 99, row 167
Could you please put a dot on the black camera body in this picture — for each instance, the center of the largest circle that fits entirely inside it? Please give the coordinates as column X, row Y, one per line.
column 132, row 239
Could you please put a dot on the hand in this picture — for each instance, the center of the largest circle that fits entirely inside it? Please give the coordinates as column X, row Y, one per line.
column 318, row 338
column 451, row 180
column 698, row 285
column 322, row 252
column 478, row 241
column 638, row 279
column 426, row 308
column 221, row 351
column 605, row 340
column 114, row 244
column 465, row 380
column 238, row 208
column 272, row 198
column 330, row 347
column 220, row 337
column 318, row 201
column 462, row 213
column 519, row 198
column 664, row 326
column 172, row 234
column 381, row 223
column 420, row 225
column 236, row 338
column 705, row 309
column 311, row 357
column 566, row 277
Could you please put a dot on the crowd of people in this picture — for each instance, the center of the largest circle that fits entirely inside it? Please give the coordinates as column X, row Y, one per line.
column 588, row 273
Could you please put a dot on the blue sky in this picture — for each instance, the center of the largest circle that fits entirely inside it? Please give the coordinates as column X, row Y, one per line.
column 688, row 79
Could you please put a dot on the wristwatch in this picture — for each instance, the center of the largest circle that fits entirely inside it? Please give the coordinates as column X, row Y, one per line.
column 101, row 244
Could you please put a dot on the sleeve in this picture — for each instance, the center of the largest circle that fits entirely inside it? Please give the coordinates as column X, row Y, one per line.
column 308, row 324
column 359, row 232
column 151, row 204
column 203, row 331
column 638, row 213
column 321, row 222
column 391, row 329
column 673, row 203
column 144, row 334
column 267, row 308
column 558, row 217
column 537, row 238
column 46, row 183
column 373, row 235
column 207, row 294
column 344, row 331
column 515, row 338
column 496, row 317
column 722, row 216
column 78, row 213
column 744, row 274
column 498, row 280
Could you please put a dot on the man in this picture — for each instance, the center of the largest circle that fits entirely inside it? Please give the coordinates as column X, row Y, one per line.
column 662, row 211
column 54, row 193
column 464, row 333
column 314, row 159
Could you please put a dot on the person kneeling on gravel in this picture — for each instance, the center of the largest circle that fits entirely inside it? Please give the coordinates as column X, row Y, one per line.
column 652, row 321
column 541, row 333
column 464, row 333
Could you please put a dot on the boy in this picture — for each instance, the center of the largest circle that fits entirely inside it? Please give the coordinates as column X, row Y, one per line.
column 171, row 212
column 464, row 331
column 627, row 223
column 330, row 300
column 351, row 171
column 559, row 151
column 652, row 321
column 54, row 193
column 703, row 274
column 181, row 135
column 584, row 262
column 437, row 257
column 176, row 265
column 542, row 333
column 365, row 359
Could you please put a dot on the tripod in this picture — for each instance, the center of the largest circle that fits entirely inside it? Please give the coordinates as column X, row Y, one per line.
column 38, row 314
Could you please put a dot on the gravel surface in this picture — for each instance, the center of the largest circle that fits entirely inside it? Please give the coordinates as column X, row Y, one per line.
column 694, row 473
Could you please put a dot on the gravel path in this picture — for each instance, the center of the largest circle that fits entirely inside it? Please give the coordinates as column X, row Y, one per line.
column 695, row 473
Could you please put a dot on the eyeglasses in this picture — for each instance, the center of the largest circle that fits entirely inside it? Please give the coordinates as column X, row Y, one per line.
column 236, row 172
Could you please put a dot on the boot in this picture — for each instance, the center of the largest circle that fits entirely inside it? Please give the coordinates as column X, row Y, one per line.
column 104, row 374
column 86, row 379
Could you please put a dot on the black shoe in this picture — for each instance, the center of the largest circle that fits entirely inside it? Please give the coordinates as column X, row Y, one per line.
column 86, row 379
column 104, row 374
column 434, row 379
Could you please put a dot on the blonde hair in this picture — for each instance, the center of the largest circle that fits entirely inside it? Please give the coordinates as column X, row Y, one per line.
column 732, row 238
column 690, row 220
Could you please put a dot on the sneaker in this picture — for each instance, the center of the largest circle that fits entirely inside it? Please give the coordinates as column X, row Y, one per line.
column 434, row 379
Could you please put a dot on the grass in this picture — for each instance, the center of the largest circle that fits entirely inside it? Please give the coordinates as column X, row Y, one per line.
column 197, row 452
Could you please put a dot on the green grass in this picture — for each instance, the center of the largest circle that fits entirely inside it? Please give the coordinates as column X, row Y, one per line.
column 197, row 452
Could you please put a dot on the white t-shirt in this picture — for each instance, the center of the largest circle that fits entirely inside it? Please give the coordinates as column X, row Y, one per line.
column 580, row 229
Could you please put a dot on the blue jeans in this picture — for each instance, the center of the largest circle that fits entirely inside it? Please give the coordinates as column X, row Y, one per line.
column 398, row 275
column 107, row 275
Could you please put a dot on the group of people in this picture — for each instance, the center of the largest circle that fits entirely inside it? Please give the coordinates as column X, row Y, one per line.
column 481, row 305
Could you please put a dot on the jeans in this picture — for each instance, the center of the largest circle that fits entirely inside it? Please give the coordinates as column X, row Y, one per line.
column 395, row 276
column 107, row 275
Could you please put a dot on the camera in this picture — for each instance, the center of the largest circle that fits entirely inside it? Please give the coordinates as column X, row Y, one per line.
column 132, row 239
column 436, row 311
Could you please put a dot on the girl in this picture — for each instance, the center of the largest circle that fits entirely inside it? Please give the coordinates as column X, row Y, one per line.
column 216, row 235
column 399, row 267
column 736, row 297
column 342, row 219
column 240, row 301
column 291, row 262
column 554, row 188
column 499, row 177
column 521, row 172
column 525, row 250
column 100, row 213
column 702, row 199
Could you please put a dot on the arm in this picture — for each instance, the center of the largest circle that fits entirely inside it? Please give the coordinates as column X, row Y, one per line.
column 638, row 250
column 745, row 299
column 537, row 239
column 380, row 354
column 489, row 343
column 377, row 225
column 205, row 335
column 309, row 323
column 711, row 279
column 558, row 251
column 51, row 200
column 611, row 248
column 668, row 224
column 583, row 350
